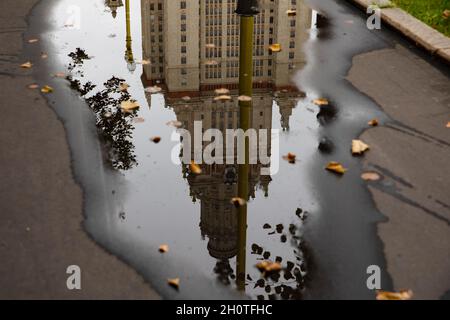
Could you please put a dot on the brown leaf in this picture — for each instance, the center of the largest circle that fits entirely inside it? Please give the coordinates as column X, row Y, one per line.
column 155, row 139
column 195, row 168
column 359, row 147
column 370, row 176
column 174, row 283
column 402, row 295
column 290, row 157
column 321, row 102
column 163, row 248
column 123, row 86
column 373, row 122
column 26, row 65
column 335, row 167
column 238, row 202
column 33, row 86
column 46, row 89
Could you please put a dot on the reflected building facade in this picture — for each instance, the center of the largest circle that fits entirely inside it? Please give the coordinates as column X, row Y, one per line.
column 193, row 49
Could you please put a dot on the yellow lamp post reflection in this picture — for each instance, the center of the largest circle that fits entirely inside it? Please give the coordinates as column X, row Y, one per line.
column 131, row 64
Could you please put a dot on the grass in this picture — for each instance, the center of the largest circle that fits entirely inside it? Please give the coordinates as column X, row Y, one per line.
column 429, row 11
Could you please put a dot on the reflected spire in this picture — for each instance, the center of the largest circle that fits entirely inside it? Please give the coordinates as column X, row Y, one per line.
column 113, row 5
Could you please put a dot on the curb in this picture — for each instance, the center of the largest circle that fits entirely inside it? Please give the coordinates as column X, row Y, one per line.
column 417, row 31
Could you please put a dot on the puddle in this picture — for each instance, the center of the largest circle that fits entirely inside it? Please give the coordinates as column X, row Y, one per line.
column 320, row 227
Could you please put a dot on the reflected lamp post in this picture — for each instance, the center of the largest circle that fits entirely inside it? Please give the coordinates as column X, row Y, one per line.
column 246, row 9
column 131, row 64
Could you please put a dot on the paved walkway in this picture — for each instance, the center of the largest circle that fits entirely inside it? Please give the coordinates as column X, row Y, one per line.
column 40, row 203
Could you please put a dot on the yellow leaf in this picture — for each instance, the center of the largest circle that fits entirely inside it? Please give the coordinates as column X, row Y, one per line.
column 222, row 98
column 195, row 168
column 163, row 248
column 359, row 147
column 268, row 266
column 238, row 202
column 370, row 176
column 26, row 65
column 222, row 91
column 155, row 139
column 244, row 98
column 175, row 123
column 46, row 89
column 321, row 102
column 291, row 13
column 175, row 283
column 373, row 122
column 129, row 105
column 123, row 86
column 276, row 47
column 336, row 167
column 402, row 295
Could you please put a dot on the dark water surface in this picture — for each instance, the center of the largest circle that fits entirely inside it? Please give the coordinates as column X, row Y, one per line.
column 321, row 226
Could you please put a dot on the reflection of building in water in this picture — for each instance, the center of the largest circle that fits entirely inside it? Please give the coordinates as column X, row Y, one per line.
column 113, row 5
column 192, row 54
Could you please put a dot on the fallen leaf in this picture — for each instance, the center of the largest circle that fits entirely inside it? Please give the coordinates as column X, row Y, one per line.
column 359, row 147
column 44, row 55
column 33, row 86
column 402, row 295
column 276, row 47
column 163, row 248
column 335, row 167
column 238, row 202
column 291, row 13
column 321, row 102
column 195, row 168
column 210, row 45
column 222, row 98
column 290, row 157
column 373, row 122
column 138, row 120
column 244, row 98
column 123, row 86
column 370, row 176
column 175, row 283
column 222, row 91
column 46, row 89
column 152, row 90
column 129, row 105
column 60, row 75
column 143, row 62
column 155, row 139
column 448, row 124
column 268, row 266
column 26, row 65
column 211, row 63
column 175, row 123
column 34, row 40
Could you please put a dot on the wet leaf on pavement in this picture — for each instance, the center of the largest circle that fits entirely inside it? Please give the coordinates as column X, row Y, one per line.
column 33, row 86
column 335, row 167
column 163, row 248
column 46, row 89
column 373, row 122
column 370, row 176
column 222, row 91
column 174, row 283
column 321, row 102
column 290, row 157
column 128, row 106
column 359, row 147
column 268, row 266
column 402, row 295
column 26, row 65
column 238, row 202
